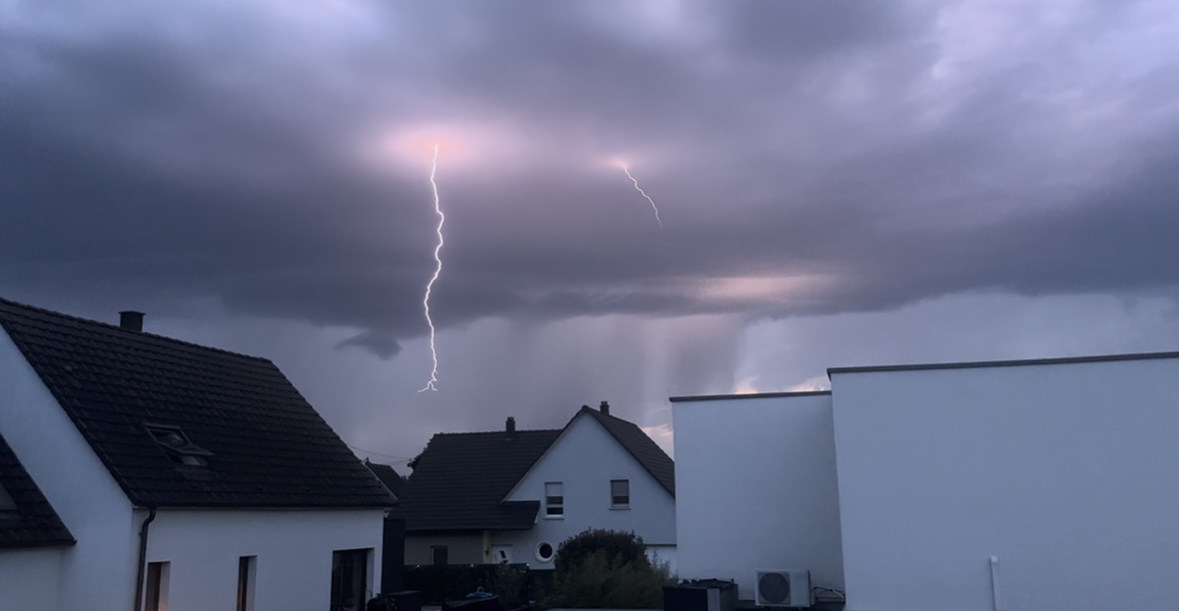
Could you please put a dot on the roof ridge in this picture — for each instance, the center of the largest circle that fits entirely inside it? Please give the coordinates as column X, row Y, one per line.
column 126, row 332
column 605, row 420
column 499, row 432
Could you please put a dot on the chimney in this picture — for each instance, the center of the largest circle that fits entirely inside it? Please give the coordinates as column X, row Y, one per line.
column 604, row 408
column 511, row 426
column 131, row 320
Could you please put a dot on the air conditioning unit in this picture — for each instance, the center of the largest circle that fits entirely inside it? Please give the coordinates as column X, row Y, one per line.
column 782, row 588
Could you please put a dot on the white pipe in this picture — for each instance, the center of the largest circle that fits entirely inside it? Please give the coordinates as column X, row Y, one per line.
column 995, row 604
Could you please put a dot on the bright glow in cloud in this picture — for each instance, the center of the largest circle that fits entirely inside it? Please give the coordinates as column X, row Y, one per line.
column 760, row 289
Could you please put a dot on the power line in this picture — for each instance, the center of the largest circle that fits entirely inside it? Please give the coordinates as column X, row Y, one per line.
column 401, row 458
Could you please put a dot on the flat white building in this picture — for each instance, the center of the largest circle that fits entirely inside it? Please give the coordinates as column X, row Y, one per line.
column 1041, row 484
column 152, row 474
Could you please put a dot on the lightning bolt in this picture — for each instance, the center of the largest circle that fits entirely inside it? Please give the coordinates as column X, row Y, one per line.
column 437, row 271
column 642, row 192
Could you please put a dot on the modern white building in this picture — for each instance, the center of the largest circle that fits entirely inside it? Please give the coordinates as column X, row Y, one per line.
column 1041, row 484
column 515, row 495
column 181, row 477
column 756, row 487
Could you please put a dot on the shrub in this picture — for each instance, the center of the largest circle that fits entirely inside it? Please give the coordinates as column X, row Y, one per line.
column 620, row 548
column 607, row 569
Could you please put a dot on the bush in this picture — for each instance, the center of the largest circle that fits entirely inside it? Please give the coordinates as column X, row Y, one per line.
column 620, row 548
column 606, row 569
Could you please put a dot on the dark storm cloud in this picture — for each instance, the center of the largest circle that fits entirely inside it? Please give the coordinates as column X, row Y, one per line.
column 843, row 144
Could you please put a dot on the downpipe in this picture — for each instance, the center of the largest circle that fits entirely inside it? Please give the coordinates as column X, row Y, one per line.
column 139, row 575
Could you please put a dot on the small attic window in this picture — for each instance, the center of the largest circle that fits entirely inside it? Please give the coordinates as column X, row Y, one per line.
column 177, row 445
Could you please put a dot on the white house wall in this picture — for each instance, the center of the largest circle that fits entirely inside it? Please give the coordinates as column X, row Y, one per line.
column 99, row 571
column 1065, row 473
column 293, row 549
column 584, row 459
column 30, row 578
column 756, row 488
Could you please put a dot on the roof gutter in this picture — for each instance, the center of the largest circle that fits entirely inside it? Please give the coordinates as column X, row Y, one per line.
column 139, row 574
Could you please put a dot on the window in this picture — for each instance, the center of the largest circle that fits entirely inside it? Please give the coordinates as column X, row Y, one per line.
column 247, row 567
column 156, row 595
column 438, row 555
column 177, row 445
column 349, row 579
column 554, row 500
column 620, row 493
column 545, row 551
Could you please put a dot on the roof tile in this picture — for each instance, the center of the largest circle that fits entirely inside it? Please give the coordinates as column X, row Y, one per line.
column 270, row 447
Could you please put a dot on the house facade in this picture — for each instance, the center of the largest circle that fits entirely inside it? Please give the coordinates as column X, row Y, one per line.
column 1040, row 484
column 188, row 477
column 528, row 491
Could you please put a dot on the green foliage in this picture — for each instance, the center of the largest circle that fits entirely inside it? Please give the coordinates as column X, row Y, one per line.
column 620, row 548
column 607, row 569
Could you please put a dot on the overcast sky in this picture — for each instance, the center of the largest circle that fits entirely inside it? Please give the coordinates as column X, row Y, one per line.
column 839, row 183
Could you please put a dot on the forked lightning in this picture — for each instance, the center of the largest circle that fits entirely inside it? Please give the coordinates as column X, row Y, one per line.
column 431, row 384
column 641, row 192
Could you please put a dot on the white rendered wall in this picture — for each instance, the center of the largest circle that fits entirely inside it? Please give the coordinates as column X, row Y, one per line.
column 293, row 548
column 29, row 578
column 755, row 482
column 585, row 458
column 99, row 571
column 1065, row 473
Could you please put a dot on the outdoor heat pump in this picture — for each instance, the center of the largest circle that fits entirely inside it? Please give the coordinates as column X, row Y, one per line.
column 784, row 588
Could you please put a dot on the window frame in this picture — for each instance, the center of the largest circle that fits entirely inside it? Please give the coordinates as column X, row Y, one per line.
column 552, row 552
column 350, row 595
column 554, row 504
column 614, row 498
column 155, row 586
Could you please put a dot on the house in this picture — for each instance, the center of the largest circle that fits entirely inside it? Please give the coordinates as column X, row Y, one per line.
column 148, row 473
column 515, row 495
column 1032, row 484
column 388, row 476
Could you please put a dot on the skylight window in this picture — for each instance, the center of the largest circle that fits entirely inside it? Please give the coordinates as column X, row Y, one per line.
column 177, row 445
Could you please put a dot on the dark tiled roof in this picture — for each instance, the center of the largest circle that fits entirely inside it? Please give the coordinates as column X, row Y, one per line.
column 269, row 446
column 642, row 447
column 34, row 523
column 461, row 479
column 388, row 476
